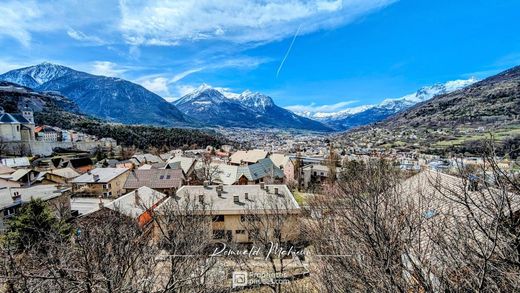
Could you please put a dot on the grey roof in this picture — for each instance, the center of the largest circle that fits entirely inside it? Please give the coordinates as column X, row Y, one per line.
column 147, row 158
column 155, row 178
column 105, row 175
column 16, row 162
column 260, row 201
column 186, row 163
column 264, row 168
column 127, row 204
column 43, row 192
column 13, row 118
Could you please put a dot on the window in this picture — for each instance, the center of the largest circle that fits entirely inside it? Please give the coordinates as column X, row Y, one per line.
column 168, row 177
column 218, row 218
column 218, row 234
column 249, row 218
column 241, row 232
column 161, row 177
column 107, row 186
column 107, row 194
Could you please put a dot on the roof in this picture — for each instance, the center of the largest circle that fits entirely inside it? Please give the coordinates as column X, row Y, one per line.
column 18, row 174
column 13, row 118
column 186, row 163
column 43, row 192
column 440, row 200
column 260, row 201
column 251, row 156
column 279, row 159
column 16, row 162
column 6, row 170
column 147, row 158
column 226, row 174
column 105, row 175
column 128, row 205
column 264, row 168
column 155, row 178
column 67, row 173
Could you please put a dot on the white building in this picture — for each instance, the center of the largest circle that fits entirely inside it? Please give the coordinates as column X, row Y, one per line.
column 17, row 127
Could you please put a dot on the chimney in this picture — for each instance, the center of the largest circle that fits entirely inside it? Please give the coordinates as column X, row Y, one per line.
column 246, row 196
column 136, row 197
column 101, row 205
column 95, row 177
column 236, row 199
column 205, row 183
column 219, row 192
column 276, row 190
column 267, row 189
column 17, row 198
column 262, row 185
column 201, row 198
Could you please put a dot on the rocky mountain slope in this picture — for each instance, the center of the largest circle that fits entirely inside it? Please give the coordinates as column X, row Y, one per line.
column 109, row 98
column 494, row 101
column 251, row 110
column 367, row 114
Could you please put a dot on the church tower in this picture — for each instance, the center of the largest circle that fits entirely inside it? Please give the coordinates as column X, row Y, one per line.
column 28, row 114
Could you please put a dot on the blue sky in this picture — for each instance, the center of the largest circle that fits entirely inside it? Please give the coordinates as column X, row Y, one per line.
column 343, row 54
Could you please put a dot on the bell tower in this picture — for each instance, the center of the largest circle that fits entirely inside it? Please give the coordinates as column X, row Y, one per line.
column 28, row 114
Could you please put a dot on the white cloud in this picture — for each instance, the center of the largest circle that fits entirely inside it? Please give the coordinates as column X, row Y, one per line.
column 107, row 68
column 80, row 36
column 183, row 74
column 162, row 22
column 313, row 108
column 158, row 85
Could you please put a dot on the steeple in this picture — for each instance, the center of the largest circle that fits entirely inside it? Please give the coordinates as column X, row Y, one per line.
column 27, row 113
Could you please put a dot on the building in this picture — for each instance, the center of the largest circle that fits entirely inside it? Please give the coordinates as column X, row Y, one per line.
column 262, row 171
column 139, row 204
column 12, row 199
column 247, row 157
column 17, row 127
column 285, row 163
column 19, row 178
column 20, row 162
column 47, row 134
column 167, row 181
column 232, row 208
column 316, row 174
column 186, row 164
column 61, row 176
column 105, row 182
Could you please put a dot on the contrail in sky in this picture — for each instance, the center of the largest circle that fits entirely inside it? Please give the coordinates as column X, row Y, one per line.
column 288, row 51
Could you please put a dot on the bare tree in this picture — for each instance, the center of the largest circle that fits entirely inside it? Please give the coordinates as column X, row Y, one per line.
column 271, row 223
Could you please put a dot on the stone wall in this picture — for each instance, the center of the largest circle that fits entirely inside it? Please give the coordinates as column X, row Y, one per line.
column 44, row 148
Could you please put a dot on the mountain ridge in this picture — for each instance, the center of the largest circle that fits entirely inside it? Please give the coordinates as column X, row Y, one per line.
column 109, row 98
column 249, row 109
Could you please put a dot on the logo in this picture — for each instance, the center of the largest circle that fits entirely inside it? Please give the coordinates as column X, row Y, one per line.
column 239, row 279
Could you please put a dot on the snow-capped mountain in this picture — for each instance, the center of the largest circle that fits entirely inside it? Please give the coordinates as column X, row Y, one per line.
column 110, row 98
column 218, row 107
column 367, row 114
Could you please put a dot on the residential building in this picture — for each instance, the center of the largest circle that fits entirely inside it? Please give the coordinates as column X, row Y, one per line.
column 166, row 181
column 61, row 176
column 47, row 134
column 186, row 164
column 138, row 204
column 247, row 157
column 105, row 182
column 286, row 164
column 12, row 199
column 233, row 208
column 19, row 162
column 19, row 178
